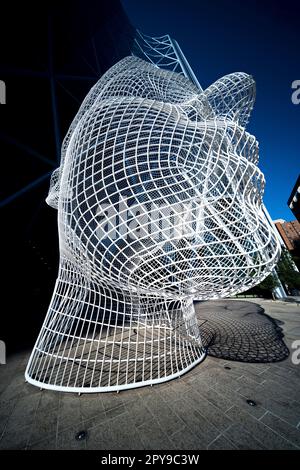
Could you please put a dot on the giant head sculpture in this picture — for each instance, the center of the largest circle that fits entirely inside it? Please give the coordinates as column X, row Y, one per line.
column 159, row 202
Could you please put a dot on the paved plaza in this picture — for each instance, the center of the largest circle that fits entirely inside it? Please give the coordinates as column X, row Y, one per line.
column 244, row 395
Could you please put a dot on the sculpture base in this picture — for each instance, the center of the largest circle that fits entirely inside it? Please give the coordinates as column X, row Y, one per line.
column 96, row 339
column 114, row 388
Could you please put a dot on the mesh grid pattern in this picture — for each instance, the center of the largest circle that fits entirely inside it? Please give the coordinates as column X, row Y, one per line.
column 159, row 203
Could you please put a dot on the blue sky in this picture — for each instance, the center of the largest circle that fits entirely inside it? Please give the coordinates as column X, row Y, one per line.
column 260, row 37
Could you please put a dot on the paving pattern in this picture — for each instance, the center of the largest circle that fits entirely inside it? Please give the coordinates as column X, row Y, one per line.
column 205, row 409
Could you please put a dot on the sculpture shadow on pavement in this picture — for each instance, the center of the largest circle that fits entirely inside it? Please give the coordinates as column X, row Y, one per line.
column 240, row 331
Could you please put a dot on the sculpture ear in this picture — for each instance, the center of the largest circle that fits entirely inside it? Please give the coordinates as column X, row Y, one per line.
column 232, row 97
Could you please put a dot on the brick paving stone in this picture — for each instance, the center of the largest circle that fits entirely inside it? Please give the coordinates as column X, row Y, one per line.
column 204, row 409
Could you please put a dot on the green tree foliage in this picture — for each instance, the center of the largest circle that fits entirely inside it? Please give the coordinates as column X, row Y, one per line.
column 269, row 284
column 286, row 271
column 265, row 288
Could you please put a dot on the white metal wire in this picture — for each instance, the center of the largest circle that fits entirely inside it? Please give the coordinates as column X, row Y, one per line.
column 159, row 202
column 158, row 51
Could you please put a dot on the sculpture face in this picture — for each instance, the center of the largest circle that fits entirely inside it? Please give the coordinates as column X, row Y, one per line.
column 160, row 191
column 159, row 203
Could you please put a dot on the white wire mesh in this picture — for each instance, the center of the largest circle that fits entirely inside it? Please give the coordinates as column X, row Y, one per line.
column 158, row 51
column 159, row 202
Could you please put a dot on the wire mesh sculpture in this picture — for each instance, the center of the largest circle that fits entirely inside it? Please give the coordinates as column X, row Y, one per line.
column 165, row 53
column 157, row 50
column 159, row 203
